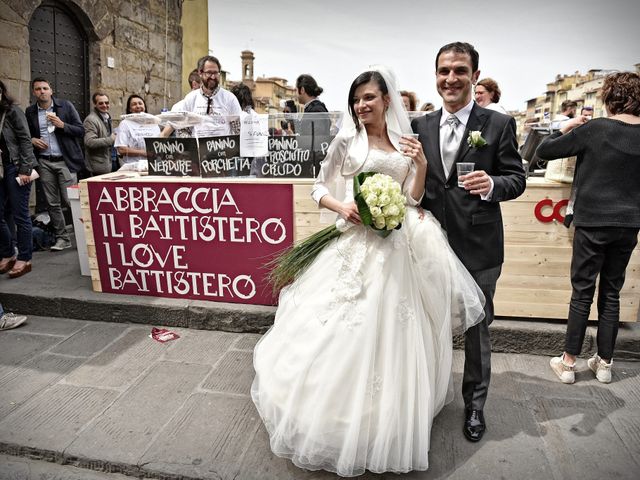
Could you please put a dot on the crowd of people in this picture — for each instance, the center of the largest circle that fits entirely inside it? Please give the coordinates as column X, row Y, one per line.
column 338, row 361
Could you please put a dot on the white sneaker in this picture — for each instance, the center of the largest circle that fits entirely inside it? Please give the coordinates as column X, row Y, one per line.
column 566, row 373
column 60, row 244
column 601, row 368
column 11, row 320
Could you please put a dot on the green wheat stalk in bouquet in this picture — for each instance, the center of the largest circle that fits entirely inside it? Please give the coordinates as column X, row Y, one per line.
column 381, row 206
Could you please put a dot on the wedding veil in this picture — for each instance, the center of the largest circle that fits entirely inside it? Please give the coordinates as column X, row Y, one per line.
column 396, row 116
column 397, row 124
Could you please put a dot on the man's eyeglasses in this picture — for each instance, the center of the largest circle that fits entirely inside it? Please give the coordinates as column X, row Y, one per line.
column 210, row 74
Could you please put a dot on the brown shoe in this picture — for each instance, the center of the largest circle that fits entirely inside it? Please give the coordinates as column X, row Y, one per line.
column 16, row 272
column 6, row 264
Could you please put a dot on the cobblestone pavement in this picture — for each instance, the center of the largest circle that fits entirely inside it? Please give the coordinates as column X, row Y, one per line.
column 106, row 397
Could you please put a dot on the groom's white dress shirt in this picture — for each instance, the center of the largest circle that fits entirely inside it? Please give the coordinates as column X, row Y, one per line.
column 463, row 116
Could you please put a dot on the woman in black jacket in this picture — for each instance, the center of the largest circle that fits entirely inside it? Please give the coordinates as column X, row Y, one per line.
column 18, row 162
column 606, row 216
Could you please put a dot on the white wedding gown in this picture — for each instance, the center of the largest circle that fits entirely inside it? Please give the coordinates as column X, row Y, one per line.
column 358, row 361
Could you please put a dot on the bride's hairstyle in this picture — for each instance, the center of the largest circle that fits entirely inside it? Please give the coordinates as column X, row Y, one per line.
column 361, row 79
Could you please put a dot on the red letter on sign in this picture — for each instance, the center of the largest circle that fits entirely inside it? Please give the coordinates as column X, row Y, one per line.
column 555, row 215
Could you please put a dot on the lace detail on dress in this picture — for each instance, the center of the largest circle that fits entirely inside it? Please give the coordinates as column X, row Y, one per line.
column 393, row 164
column 399, row 238
column 374, row 385
column 349, row 285
column 345, row 305
column 405, row 314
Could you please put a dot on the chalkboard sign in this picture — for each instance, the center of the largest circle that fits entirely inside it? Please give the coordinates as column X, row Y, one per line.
column 315, row 135
column 173, row 157
column 287, row 158
column 220, row 157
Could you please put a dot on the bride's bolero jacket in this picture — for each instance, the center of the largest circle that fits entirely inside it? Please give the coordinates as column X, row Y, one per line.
column 345, row 158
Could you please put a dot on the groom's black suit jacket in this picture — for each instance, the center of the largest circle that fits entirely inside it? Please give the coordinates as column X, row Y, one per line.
column 474, row 226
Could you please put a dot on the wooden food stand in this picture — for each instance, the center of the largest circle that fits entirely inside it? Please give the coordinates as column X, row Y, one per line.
column 535, row 281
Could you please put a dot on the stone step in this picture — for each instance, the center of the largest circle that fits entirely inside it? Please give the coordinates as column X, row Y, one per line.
column 56, row 288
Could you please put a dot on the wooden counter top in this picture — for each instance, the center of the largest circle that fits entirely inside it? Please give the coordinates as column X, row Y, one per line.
column 535, row 280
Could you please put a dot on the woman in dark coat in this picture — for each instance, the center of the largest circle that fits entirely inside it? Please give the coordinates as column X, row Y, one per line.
column 18, row 162
column 606, row 216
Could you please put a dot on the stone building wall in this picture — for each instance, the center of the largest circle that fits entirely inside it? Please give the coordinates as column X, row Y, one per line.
column 130, row 32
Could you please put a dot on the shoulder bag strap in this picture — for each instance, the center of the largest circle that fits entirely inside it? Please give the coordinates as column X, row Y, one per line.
column 2, row 122
column 1, row 133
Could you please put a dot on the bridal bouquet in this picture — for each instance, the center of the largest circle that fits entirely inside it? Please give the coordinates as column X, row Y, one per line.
column 380, row 202
column 381, row 206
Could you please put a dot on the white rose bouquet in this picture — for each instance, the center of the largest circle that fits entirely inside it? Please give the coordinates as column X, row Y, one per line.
column 380, row 202
column 381, row 206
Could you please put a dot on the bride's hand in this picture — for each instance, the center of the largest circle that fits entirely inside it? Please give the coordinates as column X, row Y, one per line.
column 349, row 211
column 412, row 148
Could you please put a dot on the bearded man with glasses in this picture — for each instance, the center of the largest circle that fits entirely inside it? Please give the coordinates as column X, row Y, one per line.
column 213, row 100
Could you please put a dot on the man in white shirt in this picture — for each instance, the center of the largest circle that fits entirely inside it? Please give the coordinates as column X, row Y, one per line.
column 568, row 111
column 212, row 100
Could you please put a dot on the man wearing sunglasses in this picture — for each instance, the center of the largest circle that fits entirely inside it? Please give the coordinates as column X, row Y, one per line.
column 212, row 100
column 99, row 136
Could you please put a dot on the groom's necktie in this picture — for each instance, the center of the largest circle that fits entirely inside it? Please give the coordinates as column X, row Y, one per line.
column 451, row 143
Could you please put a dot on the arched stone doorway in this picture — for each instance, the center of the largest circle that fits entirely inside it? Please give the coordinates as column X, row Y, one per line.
column 59, row 52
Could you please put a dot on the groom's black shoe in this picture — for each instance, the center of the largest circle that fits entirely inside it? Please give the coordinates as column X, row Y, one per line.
column 474, row 426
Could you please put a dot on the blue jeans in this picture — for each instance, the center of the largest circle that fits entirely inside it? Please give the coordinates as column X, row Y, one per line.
column 16, row 198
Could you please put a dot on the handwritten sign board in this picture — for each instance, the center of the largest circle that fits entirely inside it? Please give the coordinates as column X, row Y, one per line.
column 220, row 157
column 296, row 154
column 173, row 156
column 254, row 135
column 202, row 241
column 287, row 159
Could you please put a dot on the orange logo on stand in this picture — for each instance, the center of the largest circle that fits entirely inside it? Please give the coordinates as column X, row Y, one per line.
column 555, row 210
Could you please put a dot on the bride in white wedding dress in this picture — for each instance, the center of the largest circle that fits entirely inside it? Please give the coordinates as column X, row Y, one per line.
column 358, row 361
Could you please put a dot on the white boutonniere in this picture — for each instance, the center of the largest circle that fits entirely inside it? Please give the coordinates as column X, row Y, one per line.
column 475, row 139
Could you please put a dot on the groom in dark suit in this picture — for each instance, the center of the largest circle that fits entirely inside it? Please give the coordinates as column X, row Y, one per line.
column 470, row 214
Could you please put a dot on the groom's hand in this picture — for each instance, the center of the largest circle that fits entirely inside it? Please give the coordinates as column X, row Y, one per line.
column 477, row 182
